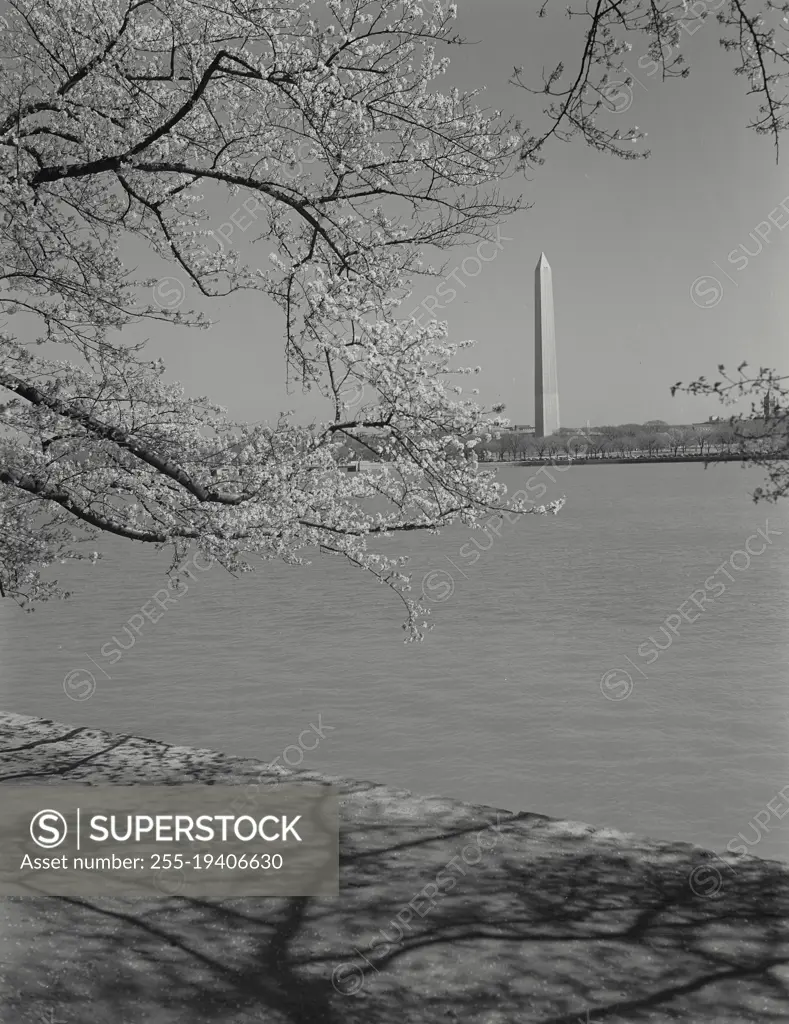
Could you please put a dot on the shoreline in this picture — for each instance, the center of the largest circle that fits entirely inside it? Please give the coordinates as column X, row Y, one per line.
column 617, row 460
column 675, row 931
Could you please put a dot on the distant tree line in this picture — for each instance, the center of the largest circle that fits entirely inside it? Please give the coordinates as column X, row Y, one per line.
column 628, row 440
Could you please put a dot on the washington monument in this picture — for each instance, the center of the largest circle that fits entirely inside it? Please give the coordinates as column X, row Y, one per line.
column 546, row 384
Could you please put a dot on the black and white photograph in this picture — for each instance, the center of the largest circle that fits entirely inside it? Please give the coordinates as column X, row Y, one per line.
column 394, row 512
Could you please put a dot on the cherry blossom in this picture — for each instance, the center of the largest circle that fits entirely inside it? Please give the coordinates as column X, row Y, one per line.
column 132, row 120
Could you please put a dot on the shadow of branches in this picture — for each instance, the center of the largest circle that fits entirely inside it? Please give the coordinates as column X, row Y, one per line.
column 447, row 912
column 544, row 928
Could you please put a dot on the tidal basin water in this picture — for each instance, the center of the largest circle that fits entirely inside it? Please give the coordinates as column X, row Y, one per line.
column 505, row 702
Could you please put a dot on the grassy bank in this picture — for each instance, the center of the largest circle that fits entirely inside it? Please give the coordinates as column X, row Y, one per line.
column 548, row 921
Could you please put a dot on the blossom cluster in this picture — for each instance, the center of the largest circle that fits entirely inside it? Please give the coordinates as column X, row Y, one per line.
column 133, row 122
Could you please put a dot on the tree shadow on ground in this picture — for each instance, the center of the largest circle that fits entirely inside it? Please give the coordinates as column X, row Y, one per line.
column 544, row 927
column 447, row 912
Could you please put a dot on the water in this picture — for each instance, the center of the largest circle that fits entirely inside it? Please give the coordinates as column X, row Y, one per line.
column 502, row 703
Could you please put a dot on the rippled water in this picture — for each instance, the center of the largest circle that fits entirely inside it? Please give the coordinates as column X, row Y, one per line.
column 502, row 703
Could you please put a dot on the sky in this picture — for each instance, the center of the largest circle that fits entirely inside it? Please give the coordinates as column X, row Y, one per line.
column 634, row 247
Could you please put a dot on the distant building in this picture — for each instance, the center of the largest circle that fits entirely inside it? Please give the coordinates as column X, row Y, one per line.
column 708, row 425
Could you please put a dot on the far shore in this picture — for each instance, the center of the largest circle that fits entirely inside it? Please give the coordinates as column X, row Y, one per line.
column 617, row 460
column 447, row 912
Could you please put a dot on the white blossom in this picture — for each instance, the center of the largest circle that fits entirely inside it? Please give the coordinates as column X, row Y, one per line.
column 105, row 442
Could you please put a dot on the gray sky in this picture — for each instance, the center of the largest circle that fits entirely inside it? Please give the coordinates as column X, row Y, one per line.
column 626, row 241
